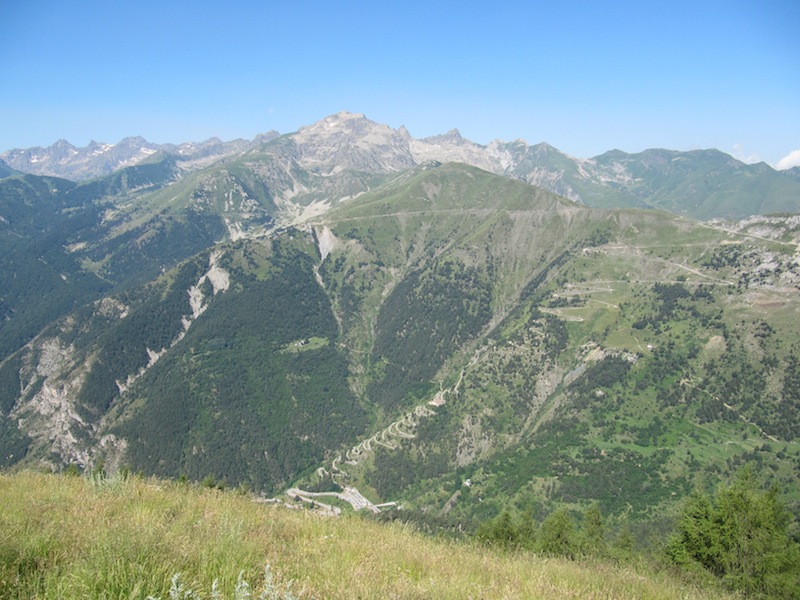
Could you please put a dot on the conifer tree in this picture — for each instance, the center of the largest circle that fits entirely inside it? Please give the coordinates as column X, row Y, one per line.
column 741, row 536
column 593, row 531
column 557, row 536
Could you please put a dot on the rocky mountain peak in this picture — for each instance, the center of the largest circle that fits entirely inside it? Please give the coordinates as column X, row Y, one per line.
column 95, row 146
column 262, row 138
column 62, row 149
column 342, row 122
column 451, row 137
column 136, row 142
column 62, row 144
column 351, row 141
column 96, row 159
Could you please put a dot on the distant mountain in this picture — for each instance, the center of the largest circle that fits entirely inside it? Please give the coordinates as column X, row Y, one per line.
column 700, row 184
column 794, row 173
column 62, row 159
column 143, row 219
column 346, row 154
column 63, row 242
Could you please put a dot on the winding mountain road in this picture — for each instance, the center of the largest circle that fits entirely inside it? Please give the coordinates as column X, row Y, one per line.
column 389, row 437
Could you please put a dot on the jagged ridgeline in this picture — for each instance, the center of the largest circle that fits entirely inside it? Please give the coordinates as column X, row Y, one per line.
column 551, row 354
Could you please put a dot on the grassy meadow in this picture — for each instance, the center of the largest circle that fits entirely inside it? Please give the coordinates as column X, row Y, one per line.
column 74, row 537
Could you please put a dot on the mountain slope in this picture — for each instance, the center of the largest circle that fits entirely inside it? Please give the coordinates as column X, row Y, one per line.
column 72, row 537
column 455, row 246
column 268, row 393
column 65, row 243
column 5, row 170
column 41, row 279
column 700, row 184
column 637, row 364
column 548, row 353
column 102, row 349
column 441, row 336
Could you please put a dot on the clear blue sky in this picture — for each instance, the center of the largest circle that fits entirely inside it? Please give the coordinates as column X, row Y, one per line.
column 584, row 76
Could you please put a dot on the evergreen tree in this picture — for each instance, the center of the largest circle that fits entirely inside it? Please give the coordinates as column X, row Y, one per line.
column 624, row 543
column 557, row 536
column 526, row 532
column 593, row 531
column 741, row 536
column 500, row 531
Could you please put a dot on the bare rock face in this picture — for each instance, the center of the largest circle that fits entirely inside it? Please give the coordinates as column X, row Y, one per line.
column 351, row 141
column 53, row 372
column 50, row 380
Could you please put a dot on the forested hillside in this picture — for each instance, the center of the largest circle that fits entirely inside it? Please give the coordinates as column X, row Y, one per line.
column 637, row 359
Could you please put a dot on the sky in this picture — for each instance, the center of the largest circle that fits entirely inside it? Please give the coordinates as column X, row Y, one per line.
column 583, row 76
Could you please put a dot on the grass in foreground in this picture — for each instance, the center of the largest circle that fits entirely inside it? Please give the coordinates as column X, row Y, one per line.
column 70, row 537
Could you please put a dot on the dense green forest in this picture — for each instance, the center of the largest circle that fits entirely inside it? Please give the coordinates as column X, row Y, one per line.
column 423, row 321
column 236, row 405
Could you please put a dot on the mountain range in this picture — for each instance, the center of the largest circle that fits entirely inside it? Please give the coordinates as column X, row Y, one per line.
column 62, row 159
column 450, row 327
column 700, row 184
